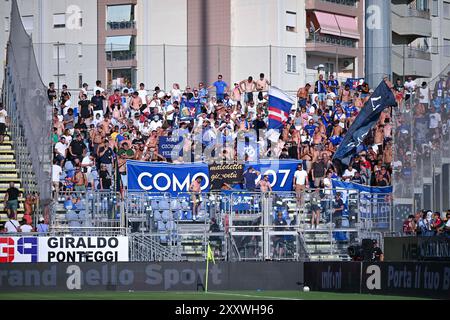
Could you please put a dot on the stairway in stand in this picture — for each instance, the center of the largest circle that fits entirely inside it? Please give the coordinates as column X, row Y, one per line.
column 9, row 173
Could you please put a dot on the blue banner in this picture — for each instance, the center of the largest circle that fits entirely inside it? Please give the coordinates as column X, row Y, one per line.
column 165, row 177
column 366, row 119
column 360, row 187
column 373, row 201
column 168, row 144
column 281, row 172
column 176, row 178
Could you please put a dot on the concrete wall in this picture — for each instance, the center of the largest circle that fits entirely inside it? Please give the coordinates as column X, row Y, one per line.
column 44, row 36
column 441, row 31
column 257, row 25
column 208, row 36
column 158, row 23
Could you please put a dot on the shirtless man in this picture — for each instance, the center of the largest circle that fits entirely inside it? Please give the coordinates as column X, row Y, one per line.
column 97, row 139
column 152, row 142
column 262, row 86
column 248, row 86
column 306, row 155
column 302, row 95
column 136, row 102
column 106, row 124
column 315, row 154
column 318, row 136
column 80, row 180
column 195, row 189
column 345, row 96
column 264, row 184
column 387, row 154
column 379, row 138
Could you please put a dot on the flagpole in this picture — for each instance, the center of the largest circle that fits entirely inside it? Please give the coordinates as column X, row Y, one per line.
column 207, row 268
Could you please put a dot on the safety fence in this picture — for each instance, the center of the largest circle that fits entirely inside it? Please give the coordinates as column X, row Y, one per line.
column 24, row 96
column 421, row 150
column 239, row 225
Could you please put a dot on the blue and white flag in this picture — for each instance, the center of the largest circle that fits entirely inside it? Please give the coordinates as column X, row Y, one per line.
column 367, row 118
column 280, row 104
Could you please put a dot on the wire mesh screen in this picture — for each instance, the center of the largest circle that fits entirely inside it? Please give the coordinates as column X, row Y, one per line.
column 26, row 94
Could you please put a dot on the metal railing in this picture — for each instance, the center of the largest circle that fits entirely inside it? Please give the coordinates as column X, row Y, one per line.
column 161, row 225
column 120, row 25
column 351, row 3
column 331, row 40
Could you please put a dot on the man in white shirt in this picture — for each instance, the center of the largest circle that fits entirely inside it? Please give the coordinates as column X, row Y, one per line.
column 300, row 183
column 25, row 227
column 349, row 173
column 98, row 86
column 61, row 148
column 170, row 110
column 12, row 226
column 143, row 95
column 56, row 175
column 435, row 118
column 3, row 119
column 410, row 87
column 156, row 123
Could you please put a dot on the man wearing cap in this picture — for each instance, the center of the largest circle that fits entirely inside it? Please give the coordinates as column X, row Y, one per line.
column 41, row 227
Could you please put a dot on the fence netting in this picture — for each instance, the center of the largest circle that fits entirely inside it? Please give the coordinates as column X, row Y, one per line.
column 26, row 100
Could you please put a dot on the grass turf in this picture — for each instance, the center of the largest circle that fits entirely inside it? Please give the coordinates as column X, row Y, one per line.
column 222, row 295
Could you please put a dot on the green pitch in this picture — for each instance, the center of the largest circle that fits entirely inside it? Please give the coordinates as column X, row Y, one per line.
column 222, row 295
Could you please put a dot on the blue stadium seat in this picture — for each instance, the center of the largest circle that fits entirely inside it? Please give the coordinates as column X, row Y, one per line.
column 175, row 204
column 157, row 215
column 82, row 215
column 166, row 216
column 154, row 205
column 171, row 226
column 161, row 226
column 71, row 215
column 164, row 205
column 68, row 204
column 185, row 204
column 163, row 239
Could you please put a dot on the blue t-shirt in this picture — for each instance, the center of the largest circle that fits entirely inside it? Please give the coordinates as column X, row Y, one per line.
column 310, row 129
column 250, row 178
column 321, row 86
column 220, row 86
column 120, row 138
column 349, row 110
column 334, row 83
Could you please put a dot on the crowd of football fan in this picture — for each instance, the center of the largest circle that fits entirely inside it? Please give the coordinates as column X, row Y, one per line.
column 98, row 135
column 126, row 124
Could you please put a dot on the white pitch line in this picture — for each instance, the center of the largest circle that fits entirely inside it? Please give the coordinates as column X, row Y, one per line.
column 252, row 296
